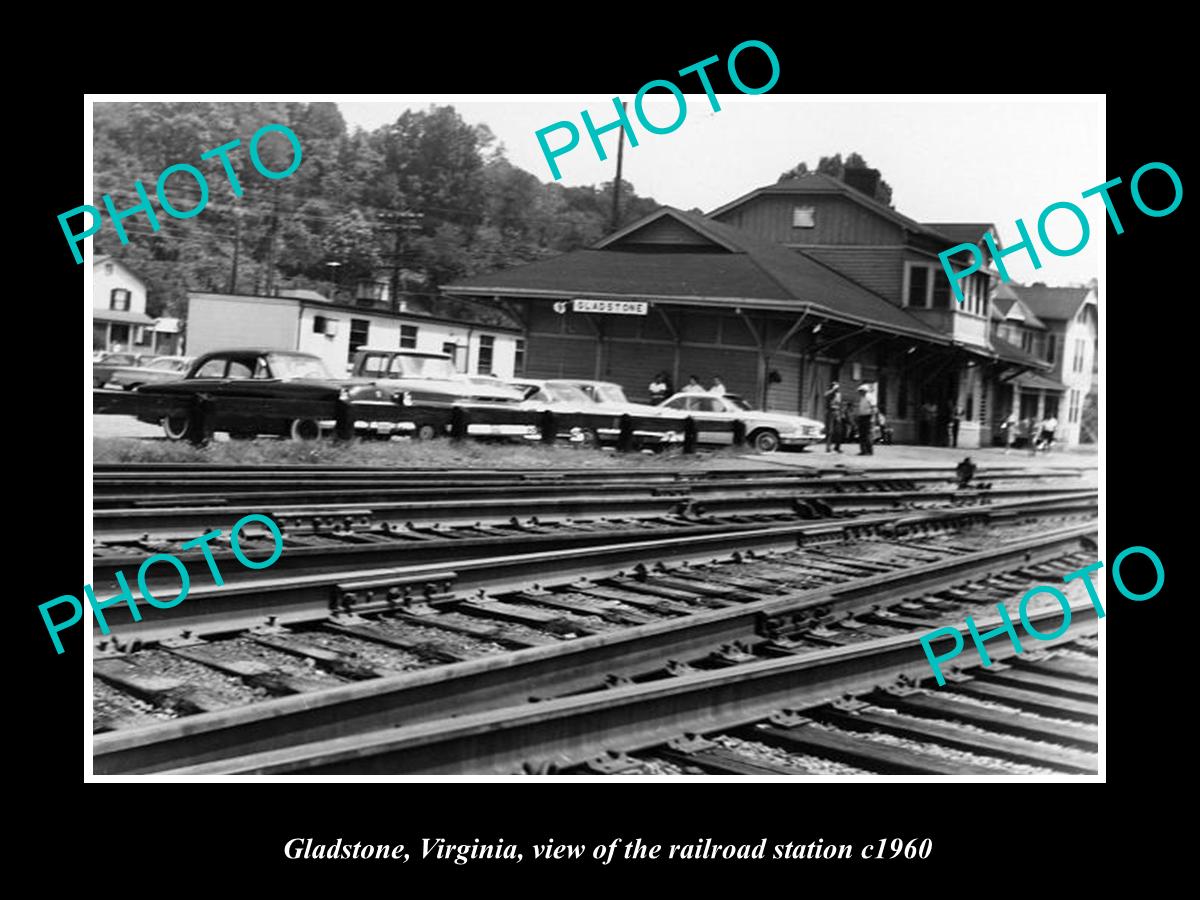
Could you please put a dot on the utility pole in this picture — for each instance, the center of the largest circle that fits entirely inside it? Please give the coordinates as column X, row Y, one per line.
column 404, row 221
column 617, row 183
column 237, row 246
column 271, row 246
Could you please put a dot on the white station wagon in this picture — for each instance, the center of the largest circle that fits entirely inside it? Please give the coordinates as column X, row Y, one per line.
column 765, row 431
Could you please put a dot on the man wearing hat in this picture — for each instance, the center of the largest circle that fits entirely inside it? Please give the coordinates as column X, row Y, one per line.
column 833, row 418
column 864, row 416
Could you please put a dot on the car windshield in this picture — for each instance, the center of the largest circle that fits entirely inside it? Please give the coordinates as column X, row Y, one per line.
column 422, row 367
column 286, row 366
column 738, row 401
column 563, row 393
column 609, row 393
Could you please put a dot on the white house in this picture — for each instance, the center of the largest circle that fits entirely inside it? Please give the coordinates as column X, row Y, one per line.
column 119, row 320
column 307, row 322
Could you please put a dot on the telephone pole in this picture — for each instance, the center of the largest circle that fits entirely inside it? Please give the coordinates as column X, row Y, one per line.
column 402, row 222
column 237, row 246
column 617, row 184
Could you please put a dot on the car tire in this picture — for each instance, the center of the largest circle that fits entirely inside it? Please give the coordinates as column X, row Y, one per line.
column 426, row 432
column 176, row 428
column 765, row 441
column 305, row 430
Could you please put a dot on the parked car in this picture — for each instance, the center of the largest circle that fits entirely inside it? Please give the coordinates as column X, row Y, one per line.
column 104, row 363
column 766, row 431
column 600, row 398
column 156, row 371
column 265, row 374
column 428, row 379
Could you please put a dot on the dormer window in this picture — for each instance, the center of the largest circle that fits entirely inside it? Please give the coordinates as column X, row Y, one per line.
column 803, row 217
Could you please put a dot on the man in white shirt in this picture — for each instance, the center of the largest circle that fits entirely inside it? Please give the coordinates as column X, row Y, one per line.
column 717, row 389
column 693, row 386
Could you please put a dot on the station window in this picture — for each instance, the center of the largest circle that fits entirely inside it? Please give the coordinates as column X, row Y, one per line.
column 519, row 357
column 803, row 217
column 487, row 345
column 408, row 337
column 918, row 286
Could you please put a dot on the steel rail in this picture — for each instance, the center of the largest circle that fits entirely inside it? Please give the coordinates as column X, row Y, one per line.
column 319, row 580
column 567, row 667
column 186, row 521
column 570, row 730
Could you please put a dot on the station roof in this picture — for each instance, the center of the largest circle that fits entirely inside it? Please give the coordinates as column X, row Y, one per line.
column 1052, row 302
column 706, row 263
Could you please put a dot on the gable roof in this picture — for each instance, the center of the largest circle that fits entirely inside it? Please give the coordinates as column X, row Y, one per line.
column 736, row 268
column 1052, row 302
column 965, row 232
column 1014, row 308
column 109, row 258
column 820, row 183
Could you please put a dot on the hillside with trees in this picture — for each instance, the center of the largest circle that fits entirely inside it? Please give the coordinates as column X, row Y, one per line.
column 429, row 193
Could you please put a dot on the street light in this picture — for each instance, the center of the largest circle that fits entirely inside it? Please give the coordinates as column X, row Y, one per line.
column 333, row 267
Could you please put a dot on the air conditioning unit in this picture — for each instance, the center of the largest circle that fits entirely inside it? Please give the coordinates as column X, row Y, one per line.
column 331, row 326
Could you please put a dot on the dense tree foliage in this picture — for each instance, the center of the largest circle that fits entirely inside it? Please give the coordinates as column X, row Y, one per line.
column 429, row 193
column 836, row 167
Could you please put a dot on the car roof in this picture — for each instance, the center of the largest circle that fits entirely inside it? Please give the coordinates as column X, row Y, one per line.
column 576, row 381
column 398, row 351
column 246, row 351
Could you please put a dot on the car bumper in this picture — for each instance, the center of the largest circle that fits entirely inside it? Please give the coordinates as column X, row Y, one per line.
column 800, row 440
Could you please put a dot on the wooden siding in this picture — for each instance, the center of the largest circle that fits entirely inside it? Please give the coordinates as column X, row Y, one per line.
column 837, row 221
column 667, row 231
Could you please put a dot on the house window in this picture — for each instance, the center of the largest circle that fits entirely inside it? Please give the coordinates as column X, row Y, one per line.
column 119, row 300
column 918, row 286
column 318, row 324
column 487, row 344
column 940, row 295
column 360, row 329
column 408, row 337
column 519, row 357
column 1080, row 354
column 1051, row 339
column 803, row 217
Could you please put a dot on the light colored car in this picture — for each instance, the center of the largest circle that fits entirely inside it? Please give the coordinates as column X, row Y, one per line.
column 164, row 368
column 765, row 431
column 602, row 398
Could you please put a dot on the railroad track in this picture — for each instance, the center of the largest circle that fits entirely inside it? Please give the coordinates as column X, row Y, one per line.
column 790, row 698
column 340, row 657
column 1035, row 715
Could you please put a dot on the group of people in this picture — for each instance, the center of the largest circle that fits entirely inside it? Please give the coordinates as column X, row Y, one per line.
column 660, row 387
column 1040, row 432
column 859, row 415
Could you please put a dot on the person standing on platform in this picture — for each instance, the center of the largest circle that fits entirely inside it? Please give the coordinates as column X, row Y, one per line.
column 693, row 386
column 956, row 417
column 1010, row 431
column 864, row 418
column 718, row 388
column 833, row 418
column 660, row 388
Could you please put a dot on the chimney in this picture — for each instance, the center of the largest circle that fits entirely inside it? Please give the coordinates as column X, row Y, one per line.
column 865, row 180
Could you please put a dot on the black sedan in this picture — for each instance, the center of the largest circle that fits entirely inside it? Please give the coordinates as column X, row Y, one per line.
column 282, row 375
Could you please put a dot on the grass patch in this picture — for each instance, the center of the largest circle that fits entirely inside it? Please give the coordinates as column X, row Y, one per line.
column 440, row 454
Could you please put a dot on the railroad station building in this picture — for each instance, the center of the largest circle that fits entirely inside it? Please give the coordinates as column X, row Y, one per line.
column 778, row 293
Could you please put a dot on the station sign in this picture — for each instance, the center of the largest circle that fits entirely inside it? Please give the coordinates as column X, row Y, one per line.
column 611, row 307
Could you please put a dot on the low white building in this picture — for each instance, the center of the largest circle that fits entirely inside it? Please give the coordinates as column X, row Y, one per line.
column 309, row 323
